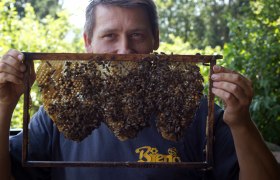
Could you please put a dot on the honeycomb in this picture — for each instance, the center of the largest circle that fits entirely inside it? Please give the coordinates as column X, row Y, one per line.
column 79, row 95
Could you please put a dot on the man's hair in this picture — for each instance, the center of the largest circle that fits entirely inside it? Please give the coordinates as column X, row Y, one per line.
column 148, row 5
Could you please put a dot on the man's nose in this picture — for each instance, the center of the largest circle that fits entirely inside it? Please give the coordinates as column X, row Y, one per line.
column 125, row 46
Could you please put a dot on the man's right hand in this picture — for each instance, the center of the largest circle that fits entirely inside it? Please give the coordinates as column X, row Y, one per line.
column 11, row 77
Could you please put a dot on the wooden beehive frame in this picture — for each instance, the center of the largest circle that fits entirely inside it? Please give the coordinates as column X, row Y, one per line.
column 209, row 60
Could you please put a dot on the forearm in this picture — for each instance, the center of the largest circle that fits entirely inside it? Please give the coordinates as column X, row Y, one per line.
column 255, row 159
column 5, row 164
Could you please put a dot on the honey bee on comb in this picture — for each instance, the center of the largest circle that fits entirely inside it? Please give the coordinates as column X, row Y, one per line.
column 177, row 93
column 70, row 98
column 79, row 95
column 125, row 112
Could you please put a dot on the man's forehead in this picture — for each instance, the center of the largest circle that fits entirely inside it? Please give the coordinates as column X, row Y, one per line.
column 111, row 27
column 114, row 18
column 104, row 9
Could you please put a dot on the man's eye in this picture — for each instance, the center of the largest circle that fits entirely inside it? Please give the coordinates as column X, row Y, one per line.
column 109, row 36
column 136, row 36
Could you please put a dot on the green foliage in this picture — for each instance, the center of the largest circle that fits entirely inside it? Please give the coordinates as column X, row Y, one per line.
column 41, row 8
column 202, row 22
column 30, row 34
column 254, row 50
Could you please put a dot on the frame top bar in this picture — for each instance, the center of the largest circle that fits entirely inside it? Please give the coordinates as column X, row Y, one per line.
column 117, row 57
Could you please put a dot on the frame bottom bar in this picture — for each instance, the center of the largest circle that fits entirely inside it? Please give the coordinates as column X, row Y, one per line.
column 191, row 165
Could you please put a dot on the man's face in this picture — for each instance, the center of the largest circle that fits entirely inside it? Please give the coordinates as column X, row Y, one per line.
column 121, row 31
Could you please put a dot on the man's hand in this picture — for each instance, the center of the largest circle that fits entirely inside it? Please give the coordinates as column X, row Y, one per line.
column 236, row 91
column 11, row 77
column 254, row 158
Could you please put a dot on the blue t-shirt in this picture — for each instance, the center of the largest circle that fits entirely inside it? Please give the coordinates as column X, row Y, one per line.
column 47, row 144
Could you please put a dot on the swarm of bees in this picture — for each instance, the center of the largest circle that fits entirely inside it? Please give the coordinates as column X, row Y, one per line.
column 80, row 95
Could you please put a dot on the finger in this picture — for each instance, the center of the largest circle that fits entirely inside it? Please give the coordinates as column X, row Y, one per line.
column 237, row 91
column 234, row 78
column 227, row 97
column 6, row 68
column 237, row 76
column 221, row 69
column 15, row 54
column 14, row 62
column 5, row 77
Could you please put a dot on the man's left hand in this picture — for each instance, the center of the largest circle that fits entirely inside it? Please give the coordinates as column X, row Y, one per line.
column 236, row 91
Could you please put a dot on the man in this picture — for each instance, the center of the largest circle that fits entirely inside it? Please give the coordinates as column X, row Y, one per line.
column 130, row 26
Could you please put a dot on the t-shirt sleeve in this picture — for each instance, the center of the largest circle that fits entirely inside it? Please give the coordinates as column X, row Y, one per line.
column 40, row 147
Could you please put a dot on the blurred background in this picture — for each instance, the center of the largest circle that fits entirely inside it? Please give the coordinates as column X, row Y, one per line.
column 246, row 33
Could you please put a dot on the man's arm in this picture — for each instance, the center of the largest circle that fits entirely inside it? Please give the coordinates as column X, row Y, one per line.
column 5, row 118
column 11, row 87
column 255, row 159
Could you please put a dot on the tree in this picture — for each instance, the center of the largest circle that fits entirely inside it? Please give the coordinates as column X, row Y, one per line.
column 31, row 34
column 201, row 22
column 254, row 50
column 41, row 8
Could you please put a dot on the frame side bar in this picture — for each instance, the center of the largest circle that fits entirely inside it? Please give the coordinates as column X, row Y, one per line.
column 210, row 117
column 26, row 115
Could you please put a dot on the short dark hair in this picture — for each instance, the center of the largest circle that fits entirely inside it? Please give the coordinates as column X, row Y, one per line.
column 148, row 5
